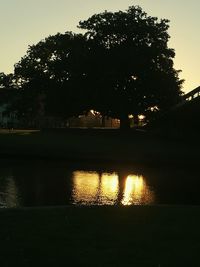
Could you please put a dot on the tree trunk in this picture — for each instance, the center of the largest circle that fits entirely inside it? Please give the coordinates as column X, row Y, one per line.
column 136, row 120
column 103, row 121
column 124, row 122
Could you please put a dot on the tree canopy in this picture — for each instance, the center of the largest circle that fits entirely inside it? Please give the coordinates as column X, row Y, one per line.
column 137, row 71
column 8, row 88
column 53, row 70
column 121, row 65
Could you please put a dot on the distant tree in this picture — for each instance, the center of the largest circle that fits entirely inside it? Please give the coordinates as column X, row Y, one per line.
column 132, row 69
column 8, row 88
column 8, row 81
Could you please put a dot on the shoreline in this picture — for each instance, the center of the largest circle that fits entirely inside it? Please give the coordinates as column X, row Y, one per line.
column 98, row 146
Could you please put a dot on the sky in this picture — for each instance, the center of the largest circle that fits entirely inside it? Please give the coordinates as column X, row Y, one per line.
column 26, row 22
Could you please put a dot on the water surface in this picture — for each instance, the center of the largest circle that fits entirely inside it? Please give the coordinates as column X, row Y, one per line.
column 44, row 183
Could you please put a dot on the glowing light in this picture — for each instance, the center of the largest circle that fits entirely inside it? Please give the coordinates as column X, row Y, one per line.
column 136, row 191
column 109, row 188
column 94, row 112
column 90, row 188
column 154, row 108
column 134, row 77
column 141, row 117
column 85, row 187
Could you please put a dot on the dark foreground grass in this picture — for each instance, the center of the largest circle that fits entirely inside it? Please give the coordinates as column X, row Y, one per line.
column 100, row 236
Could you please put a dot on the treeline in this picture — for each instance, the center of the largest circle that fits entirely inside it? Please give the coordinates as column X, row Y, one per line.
column 120, row 65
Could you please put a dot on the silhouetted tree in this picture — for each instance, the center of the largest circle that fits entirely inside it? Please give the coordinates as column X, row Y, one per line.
column 8, row 89
column 121, row 65
column 53, row 72
column 133, row 67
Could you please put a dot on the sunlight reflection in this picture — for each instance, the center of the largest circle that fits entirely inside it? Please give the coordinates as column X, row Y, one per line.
column 109, row 188
column 85, row 186
column 91, row 188
column 136, row 191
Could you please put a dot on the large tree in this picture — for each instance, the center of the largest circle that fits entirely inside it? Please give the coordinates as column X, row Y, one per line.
column 121, row 65
column 133, row 67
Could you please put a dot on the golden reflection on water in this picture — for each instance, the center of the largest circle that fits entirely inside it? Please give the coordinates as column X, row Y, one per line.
column 85, row 186
column 109, row 186
column 136, row 191
column 91, row 188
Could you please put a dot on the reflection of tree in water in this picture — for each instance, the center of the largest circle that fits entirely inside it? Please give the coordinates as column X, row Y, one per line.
column 85, row 187
column 4, row 174
column 9, row 196
column 42, row 183
column 34, row 183
column 104, row 188
column 12, row 194
column 175, row 184
column 134, row 190
column 109, row 188
column 122, row 180
column 137, row 191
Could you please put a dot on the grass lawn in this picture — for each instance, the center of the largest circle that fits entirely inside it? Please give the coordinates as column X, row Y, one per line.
column 100, row 236
column 107, row 145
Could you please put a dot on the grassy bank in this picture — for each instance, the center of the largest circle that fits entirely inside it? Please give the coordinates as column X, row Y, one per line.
column 100, row 236
column 107, row 145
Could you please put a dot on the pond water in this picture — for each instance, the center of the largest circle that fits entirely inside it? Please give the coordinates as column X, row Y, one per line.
column 46, row 183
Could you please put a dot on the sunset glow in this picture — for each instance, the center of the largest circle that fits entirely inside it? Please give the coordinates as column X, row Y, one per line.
column 18, row 32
